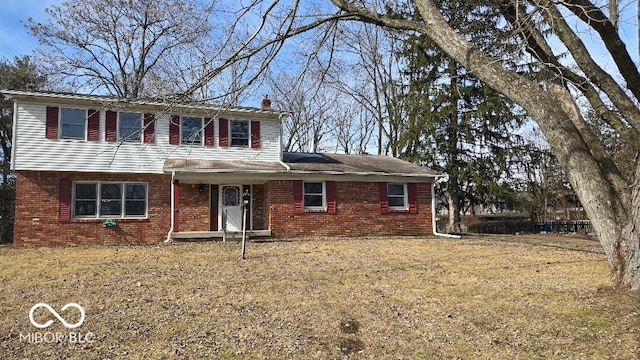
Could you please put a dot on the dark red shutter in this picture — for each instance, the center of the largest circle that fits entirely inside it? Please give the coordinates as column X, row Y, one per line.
column 93, row 125
column 149, row 128
column 255, row 134
column 111, row 126
column 298, row 204
column 384, row 198
column 51, row 122
column 213, row 222
column 223, row 134
column 174, row 130
column 412, row 195
column 208, row 132
column 64, row 200
column 330, row 187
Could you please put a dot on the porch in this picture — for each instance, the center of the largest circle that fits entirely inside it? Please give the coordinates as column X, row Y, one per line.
column 200, row 235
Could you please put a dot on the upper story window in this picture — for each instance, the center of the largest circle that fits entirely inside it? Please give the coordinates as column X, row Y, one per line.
column 314, row 195
column 397, row 196
column 73, row 123
column 239, row 133
column 129, row 126
column 191, row 130
column 109, row 200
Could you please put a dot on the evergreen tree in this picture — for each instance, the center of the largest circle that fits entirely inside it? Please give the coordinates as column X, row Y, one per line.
column 456, row 123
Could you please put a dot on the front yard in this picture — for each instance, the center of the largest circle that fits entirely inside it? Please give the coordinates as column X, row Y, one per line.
column 434, row 298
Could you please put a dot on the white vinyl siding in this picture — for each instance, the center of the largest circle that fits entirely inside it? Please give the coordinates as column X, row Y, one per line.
column 32, row 151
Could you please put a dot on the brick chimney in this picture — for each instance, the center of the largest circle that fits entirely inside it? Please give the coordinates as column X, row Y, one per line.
column 266, row 103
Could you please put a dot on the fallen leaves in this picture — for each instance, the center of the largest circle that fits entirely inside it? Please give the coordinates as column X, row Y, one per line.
column 483, row 297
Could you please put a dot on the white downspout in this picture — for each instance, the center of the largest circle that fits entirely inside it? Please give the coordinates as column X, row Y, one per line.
column 173, row 176
column 433, row 214
column 285, row 165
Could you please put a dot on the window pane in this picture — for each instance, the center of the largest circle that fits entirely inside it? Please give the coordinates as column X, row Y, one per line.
column 135, row 208
column 136, row 191
column 135, row 200
column 130, row 126
column 239, row 133
column 85, row 200
column 73, row 123
column 191, row 130
column 110, row 207
column 313, row 201
column 85, row 191
column 313, row 188
column 396, row 189
column 231, row 196
column 396, row 201
column 85, row 208
column 111, row 191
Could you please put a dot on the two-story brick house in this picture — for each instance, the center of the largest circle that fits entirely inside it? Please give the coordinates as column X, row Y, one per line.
column 102, row 170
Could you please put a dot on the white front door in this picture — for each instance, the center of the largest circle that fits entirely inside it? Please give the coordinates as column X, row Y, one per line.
column 231, row 207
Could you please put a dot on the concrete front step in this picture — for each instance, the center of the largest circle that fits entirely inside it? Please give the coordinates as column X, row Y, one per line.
column 182, row 235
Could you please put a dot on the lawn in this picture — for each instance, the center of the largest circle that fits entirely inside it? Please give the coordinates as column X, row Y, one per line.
column 433, row 298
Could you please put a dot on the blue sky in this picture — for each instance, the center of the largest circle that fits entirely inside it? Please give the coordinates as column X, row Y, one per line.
column 16, row 41
column 14, row 38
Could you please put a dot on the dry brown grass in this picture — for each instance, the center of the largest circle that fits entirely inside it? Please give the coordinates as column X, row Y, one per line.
column 481, row 297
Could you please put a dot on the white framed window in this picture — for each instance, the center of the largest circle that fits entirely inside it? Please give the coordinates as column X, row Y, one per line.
column 239, row 130
column 314, row 196
column 129, row 126
column 191, row 130
column 110, row 200
column 397, row 196
column 73, row 123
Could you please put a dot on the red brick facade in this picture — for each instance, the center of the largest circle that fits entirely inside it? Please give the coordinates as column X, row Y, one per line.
column 37, row 210
column 193, row 208
column 357, row 212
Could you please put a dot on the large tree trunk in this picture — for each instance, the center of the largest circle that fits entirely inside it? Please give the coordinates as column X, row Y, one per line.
column 629, row 251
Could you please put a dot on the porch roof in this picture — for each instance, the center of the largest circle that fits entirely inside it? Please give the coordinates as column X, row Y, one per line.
column 222, row 166
column 309, row 164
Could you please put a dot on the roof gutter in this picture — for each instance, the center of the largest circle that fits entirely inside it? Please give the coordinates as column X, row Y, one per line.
column 433, row 215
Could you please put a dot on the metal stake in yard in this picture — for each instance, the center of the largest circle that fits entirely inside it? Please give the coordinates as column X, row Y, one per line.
column 245, row 205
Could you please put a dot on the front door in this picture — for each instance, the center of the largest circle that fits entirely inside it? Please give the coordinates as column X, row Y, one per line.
column 231, row 207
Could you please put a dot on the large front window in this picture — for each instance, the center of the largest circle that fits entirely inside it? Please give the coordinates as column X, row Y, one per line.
column 130, row 126
column 239, row 133
column 314, row 196
column 109, row 200
column 73, row 123
column 191, row 130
